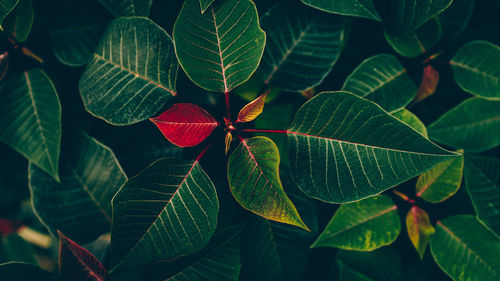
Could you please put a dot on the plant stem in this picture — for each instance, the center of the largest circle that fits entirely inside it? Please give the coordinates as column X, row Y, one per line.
column 204, row 151
column 404, row 197
column 264, row 131
column 228, row 110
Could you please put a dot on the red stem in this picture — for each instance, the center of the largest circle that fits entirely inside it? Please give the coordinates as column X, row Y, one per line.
column 204, row 151
column 264, row 131
column 228, row 111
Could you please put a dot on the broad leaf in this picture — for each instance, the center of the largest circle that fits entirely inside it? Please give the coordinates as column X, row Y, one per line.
column 126, row 8
column 132, row 73
column 302, row 46
column 475, row 68
column 343, row 148
column 416, row 42
column 363, row 225
column 185, row 124
column 76, row 263
column 253, row 109
column 253, row 175
column 19, row 271
column 442, row 181
column 411, row 120
column 18, row 23
column 419, row 229
column 204, row 4
column 168, row 210
column 465, row 249
column 456, row 17
column 482, row 179
column 31, row 122
column 356, row 8
column 6, row 7
column 430, row 80
column 80, row 205
column 221, row 48
column 381, row 264
column 472, row 125
column 384, row 80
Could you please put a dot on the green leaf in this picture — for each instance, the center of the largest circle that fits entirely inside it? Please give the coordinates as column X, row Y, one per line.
column 80, row 205
column 381, row 264
column 411, row 120
column 472, row 125
column 15, row 248
column 442, row 181
column 384, row 80
column 465, row 249
column 253, row 175
column 475, row 68
column 303, row 45
column 419, row 229
column 482, row 180
column 343, row 148
column 168, row 210
column 31, row 123
column 6, row 6
column 132, row 73
column 403, row 17
column 416, row 42
column 18, row 22
column 204, row 4
column 356, row 8
column 221, row 48
column 456, row 17
column 20, row 271
column 126, row 8
column 348, row 274
column 363, row 225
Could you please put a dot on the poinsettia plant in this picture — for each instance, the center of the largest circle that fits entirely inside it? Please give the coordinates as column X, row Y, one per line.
column 249, row 140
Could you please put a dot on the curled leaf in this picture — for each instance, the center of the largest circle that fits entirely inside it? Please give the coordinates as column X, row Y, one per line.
column 253, row 109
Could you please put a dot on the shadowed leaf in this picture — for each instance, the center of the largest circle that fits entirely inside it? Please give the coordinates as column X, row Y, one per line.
column 6, row 7
column 356, row 8
column 430, row 80
column 18, row 23
column 126, row 8
column 419, row 229
column 19, row 271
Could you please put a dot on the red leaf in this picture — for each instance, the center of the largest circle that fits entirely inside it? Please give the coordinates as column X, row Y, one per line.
column 430, row 80
column 77, row 264
column 185, row 124
column 7, row 227
column 253, row 109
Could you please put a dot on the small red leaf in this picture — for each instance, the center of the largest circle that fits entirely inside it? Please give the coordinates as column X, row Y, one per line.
column 253, row 109
column 430, row 80
column 185, row 124
column 7, row 227
column 76, row 263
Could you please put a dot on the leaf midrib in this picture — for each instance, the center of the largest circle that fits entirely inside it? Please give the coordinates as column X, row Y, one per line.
column 89, row 269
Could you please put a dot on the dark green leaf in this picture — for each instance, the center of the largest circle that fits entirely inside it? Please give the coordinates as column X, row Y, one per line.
column 6, row 7
column 348, row 274
column 204, row 4
column 456, row 17
column 18, row 23
column 381, row 264
column 19, row 271
column 126, row 8
column 411, row 120
column 15, row 248
column 356, row 8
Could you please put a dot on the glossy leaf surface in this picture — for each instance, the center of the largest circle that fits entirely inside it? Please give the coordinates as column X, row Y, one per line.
column 302, row 46
column 363, row 225
column 253, row 109
column 384, row 80
column 80, row 205
column 221, row 48
column 167, row 210
column 132, row 73
column 253, row 175
column 19, row 271
column 126, row 8
column 356, row 8
column 465, row 249
column 343, row 148
column 482, row 179
column 472, row 125
column 18, row 23
column 31, row 122
column 405, row 116
column 185, row 124
column 475, row 68
column 419, row 229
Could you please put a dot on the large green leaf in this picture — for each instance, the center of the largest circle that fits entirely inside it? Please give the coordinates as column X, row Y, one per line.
column 442, row 181
column 482, row 179
column 18, row 23
column 343, row 148
column 356, row 8
column 31, row 121
column 221, row 48
column 19, row 271
column 416, row 42
column 132, row 73
column 472, row 125
column 80, row 205
column 411, row 120
column 204, row 4
column 6, row 7
column 302, row 46
column 126, row 8
column 466, row 250
column 168, row 210
column 253, row 175
column 384, row 80
column 363, row 225
column 475, row 68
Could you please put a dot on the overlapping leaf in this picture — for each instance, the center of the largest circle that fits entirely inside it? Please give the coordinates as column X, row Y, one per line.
column 482, row 179
column 14, row 248
column 185, row 124
column 221, row 48
column 204, row 4
column 31, row 121
column 18, row 23
column 456, row 17
column 363, row 225
column 253, row 175
column 132, row 73
column 6, row 7
column 253, row 109
column 465, row 249
column 343, row 148
column 167, row 210
column 126, row 8
column 405, row 116
column 384, row 80
column 356, row 8
column 475, row 68
column 19, row 271
column 302, row 46
column 80, row 205
column 472, row 125
column 419, row 229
